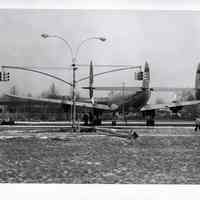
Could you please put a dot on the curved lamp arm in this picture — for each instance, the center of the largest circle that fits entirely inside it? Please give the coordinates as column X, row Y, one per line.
column 83, row 42
column 59, row 37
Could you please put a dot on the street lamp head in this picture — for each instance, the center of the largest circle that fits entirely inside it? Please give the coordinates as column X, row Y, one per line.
column 44, row 35
column 102, row 39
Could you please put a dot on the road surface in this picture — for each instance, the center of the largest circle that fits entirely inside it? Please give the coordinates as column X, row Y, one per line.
column 109, row 123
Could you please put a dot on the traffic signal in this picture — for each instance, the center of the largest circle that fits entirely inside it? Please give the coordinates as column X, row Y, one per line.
column 139, row 76
column 7, row 76
column 4, row 76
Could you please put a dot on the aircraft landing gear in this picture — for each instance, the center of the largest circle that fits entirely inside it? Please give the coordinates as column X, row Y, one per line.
column 114, row 119
column 150, row 117
column 85, row 119
column 114, row 123
column 150, row 122
column 10, row 122
column 95, row 119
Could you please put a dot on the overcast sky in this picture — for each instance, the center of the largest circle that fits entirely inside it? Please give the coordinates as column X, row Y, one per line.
column 167, row 40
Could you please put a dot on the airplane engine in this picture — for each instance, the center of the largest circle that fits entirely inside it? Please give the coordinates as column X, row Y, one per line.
column 114, row 107
column 149, row 115
column 175, row 110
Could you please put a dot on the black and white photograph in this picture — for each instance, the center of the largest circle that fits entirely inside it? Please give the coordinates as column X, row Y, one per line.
column 99, row 96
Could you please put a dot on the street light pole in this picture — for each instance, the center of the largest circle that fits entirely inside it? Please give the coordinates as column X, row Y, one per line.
column 74, row 97
column 74, row 68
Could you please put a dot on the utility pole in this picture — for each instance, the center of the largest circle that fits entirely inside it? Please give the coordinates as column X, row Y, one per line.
column 74, row 97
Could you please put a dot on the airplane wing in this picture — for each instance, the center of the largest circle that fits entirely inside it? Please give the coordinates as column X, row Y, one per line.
column 21, row 99
column 120, row 88
column 130, row 88
column 171, row 89
column 169, row 105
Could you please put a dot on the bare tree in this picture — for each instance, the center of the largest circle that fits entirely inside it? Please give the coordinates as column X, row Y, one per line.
column 52, row 92
column 14, row 90
column 111, row 93
column 29, row 95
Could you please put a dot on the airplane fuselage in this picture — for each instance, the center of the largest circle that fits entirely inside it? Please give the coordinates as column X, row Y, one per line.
column 130, row 102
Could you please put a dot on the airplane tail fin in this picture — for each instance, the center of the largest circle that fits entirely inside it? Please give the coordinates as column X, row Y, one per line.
column 146, row 76
column 91, row 82
column 197, row 83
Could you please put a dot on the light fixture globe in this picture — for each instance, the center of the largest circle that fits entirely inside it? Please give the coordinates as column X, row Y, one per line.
column 102, row 39
column 44, row 35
